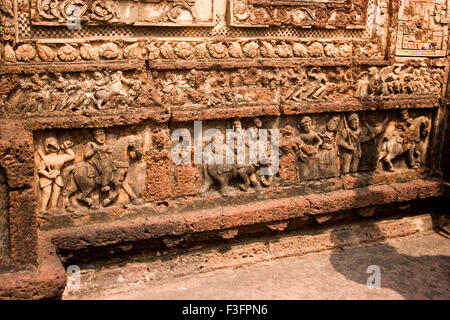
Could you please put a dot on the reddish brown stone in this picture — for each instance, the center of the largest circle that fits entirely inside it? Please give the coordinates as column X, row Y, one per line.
column 186, row 180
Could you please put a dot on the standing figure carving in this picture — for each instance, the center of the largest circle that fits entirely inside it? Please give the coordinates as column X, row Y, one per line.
column 328, row 151
column 245, row 171
column 308, row 142
column 98, row 154
column 49, row 170
column 350, row 140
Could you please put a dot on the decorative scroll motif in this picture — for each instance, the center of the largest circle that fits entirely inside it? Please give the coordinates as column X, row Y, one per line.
column 251, row 13
column 123, row 12
column 188, row 50
column 97, row 170
column 58, row 94
column 7, row 28
column 423, row 28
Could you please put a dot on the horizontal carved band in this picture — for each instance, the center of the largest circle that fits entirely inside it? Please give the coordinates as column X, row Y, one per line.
column 57, row 94
column 190, row 50
column 105, row 169
column 153, row 227
column 346, row 13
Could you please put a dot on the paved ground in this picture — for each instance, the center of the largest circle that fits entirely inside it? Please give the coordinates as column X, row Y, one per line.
column 416, row 267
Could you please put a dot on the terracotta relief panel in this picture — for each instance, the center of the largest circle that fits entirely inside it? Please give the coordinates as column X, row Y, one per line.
column 123, row 12
column 56, row 94
column 423, row 28
column 312, row 13
column 91, row 168
column 81, row 173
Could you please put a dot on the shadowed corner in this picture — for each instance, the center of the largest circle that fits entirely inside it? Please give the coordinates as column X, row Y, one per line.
column 411, row 276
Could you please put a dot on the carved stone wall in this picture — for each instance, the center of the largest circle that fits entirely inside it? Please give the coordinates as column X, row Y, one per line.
column 91, row 93
column 4, row 210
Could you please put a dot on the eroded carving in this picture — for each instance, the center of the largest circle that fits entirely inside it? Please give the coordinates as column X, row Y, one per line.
column 93, row 175
column 407, row 136
column 423, row 28
column 4, row 221
column 350, row 140
column 398, row 80
column 248, row 13
column 245, row 173
column 123, row 12
column 54, row 94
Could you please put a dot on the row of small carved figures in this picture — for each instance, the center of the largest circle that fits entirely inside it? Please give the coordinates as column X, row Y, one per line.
column 59, row 92
column 333, row 149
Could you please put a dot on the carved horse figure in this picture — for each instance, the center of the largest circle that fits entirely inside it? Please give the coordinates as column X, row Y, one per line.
column 397, row 142
column 79, row 177
column 108, row 87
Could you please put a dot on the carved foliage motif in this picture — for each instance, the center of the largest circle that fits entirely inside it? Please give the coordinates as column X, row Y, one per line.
column 191, row 50
column 7, row 27
column 249, row 13
column 59, row 12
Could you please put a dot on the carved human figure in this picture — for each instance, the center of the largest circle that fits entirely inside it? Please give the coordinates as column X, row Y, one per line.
column 265, row 180
column 105, row 167
column 328, row 150
column 408, row 136
column 37, row 99
column 97, row 153
column 419, row 147
column 396, row 85
column 223, row 173
column 245, row 171
column 49, row 170
column 363, row 86
column 135, row 90
column 308, row 142
column 317, row 86
column 350, row 140
column 299, row 79
column 375, row 82
column 82, row 96
column 220, row 88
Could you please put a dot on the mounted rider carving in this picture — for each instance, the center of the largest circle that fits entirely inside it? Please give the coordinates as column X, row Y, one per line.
column 407, row 136
column 98, row 155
